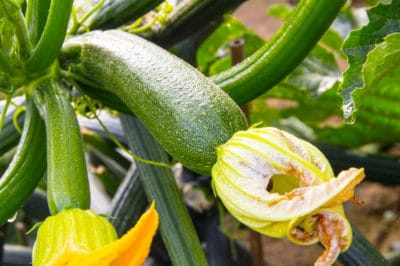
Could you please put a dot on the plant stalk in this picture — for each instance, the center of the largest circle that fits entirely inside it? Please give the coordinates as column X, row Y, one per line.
column 176, row 226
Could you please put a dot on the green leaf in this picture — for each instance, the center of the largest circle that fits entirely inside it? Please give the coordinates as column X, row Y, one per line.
column 378, row 111
column 317, row 73
column 311, row 86
column 281, row 11
column 213, row 55
column 381, row 61
column 349, row 19
column 309, row 93
column 384, row 19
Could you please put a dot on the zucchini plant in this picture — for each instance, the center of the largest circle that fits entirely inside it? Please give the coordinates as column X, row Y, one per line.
column 176, row 140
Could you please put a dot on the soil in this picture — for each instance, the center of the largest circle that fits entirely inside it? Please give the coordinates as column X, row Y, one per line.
column 378, row 218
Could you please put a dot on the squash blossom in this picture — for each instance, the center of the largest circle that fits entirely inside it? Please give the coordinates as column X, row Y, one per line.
column 282, row 186
column 76, row 237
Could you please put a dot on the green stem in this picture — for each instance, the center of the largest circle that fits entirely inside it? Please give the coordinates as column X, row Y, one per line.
column 36, row 16
column 49, row 45
column 77, row 24
column 122, row 147
column 176, row 227
column 95, row 91
column 282, row 53
column 72, row 76
column 16, row 116
column 105, row 148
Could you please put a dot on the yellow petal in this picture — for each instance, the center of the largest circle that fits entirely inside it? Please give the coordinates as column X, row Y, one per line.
column 72, row 231
column 130, row 250
column 135, row 245
column 356, row 176
column 263, row 205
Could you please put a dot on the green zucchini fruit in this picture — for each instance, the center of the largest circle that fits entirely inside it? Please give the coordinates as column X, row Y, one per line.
column 189, row 115
column 118, row 12
column 193, row 16
column 27, row 167
column 67, row 180
column 282, row 53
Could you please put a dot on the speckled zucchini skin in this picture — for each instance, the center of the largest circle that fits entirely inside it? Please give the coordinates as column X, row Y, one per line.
column 67, row 180
column 188, row 114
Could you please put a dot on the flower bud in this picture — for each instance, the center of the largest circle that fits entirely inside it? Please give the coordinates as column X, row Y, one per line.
column 71, row 230
column 77, row 237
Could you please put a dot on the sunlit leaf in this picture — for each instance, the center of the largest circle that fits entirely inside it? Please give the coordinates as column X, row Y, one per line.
column 384, row 19
column 378, row 109
column 281, row 11
column 311, row 86
column 317, row 73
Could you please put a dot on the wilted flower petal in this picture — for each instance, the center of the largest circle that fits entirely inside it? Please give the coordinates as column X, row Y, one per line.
column 280, row 185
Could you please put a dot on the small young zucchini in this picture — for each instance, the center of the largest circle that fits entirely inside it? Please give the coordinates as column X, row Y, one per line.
column 189, row 115
column 27, row 167
column 67, row 180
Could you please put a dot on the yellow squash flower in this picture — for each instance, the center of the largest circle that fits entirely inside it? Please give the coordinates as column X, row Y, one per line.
column 282, row 186
column 76, row 237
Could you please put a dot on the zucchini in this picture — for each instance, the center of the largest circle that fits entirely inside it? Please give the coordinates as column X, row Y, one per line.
column 118, row 12
column 27, row 167
column 282, row 53
column 193, row 16
column 189, row 115
column 67, row 180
